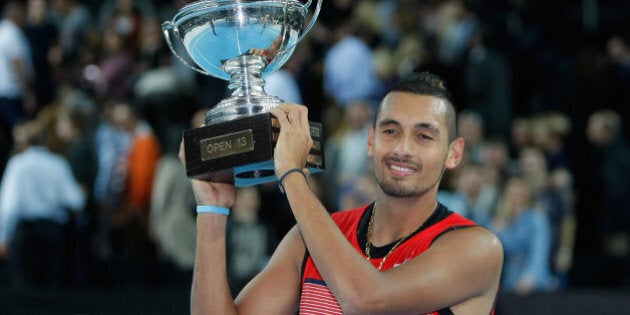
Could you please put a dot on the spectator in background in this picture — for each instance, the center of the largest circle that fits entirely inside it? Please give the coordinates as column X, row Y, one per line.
column 475, row 189
column 73, row 20
column 465, row 187
column 152, row 50
column 345, row 151
column 525, row 234
column 116, row 67
column 250, row 241
column 43, row 36
column 140, row 162
column 282, row 83
column 359, row 191
column 457, row 24
column 38, row 195
column 550, row 131
column 349, row 73
column 612, row 184
column 124, row 18
column 112, row 144
column 554, row 188
column 132, row 216
column 552, row 193
column 17, row 100
column 487, row 84
column 497, row 168
column 520, row 135
column 172, row 221
column 471, row 127
column 75, row 128
column 618, row 52
column 165, row 98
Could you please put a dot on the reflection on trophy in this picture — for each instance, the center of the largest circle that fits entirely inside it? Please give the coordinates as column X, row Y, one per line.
column 241, row 41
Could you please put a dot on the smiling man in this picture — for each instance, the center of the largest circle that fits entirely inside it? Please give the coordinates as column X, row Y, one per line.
column 404, row 253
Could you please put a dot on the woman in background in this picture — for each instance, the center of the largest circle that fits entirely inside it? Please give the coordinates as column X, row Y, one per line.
column 525, row 234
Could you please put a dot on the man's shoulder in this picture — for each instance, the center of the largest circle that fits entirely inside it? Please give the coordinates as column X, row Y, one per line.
column 470, row 236
column 349, row 218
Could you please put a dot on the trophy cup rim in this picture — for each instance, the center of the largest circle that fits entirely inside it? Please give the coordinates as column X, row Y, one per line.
column 178, row 26
column 182, row 13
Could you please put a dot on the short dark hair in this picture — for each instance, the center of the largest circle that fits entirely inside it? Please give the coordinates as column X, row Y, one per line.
column 426, row 83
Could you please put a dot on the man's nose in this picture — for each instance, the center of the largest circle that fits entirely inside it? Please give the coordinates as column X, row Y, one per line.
column 404, row 147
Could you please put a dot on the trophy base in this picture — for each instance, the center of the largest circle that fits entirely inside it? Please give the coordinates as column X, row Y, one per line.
column 241, row 151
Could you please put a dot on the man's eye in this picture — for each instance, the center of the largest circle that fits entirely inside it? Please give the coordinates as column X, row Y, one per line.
column 389, row 131
column 426, row 137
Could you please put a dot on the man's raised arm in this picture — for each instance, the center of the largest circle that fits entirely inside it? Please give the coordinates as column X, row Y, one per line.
column 274, row 291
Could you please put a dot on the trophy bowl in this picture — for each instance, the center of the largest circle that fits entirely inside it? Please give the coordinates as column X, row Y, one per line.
column 241, row 41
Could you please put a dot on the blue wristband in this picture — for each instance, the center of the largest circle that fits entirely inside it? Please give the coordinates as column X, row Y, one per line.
column 213, row 209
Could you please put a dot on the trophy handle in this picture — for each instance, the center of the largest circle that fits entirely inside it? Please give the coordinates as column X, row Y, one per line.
column 310, row 24
column 168, row 28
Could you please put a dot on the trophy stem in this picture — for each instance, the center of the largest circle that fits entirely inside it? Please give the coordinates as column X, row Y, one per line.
column 248, row 93
column 245, row 72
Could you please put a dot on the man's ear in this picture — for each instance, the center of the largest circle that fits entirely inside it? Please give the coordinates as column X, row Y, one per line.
column 455, row 153
column 370, row 142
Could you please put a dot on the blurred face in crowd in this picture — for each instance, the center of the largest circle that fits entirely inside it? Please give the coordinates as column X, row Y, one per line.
column 65, row 129
column 36, row 11
column 517, row 194
column 602, row 127
column 617, row 49
column 532, row 160
column 541, row 135
column 409, row 145
column 470, row 126
column 358, row 115
column 123, row 117
column 16, row 12
column 495, row 154
column 63, row 6
column 521, row 132
column 470, row 180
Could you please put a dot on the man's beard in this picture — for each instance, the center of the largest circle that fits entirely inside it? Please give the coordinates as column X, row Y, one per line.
column 393, row 188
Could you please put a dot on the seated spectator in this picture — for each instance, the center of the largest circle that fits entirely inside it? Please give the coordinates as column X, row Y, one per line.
column 524, row 232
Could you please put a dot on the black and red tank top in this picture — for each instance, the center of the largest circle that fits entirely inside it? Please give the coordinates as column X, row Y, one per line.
column 316, row 297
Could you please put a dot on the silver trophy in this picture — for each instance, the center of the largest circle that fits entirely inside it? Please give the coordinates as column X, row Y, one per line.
column 241, row 41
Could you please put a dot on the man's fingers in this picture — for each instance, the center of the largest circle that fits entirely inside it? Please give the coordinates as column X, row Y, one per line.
column 304, row 118
column 291, row 113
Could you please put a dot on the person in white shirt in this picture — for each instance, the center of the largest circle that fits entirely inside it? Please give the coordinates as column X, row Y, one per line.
column 16, row 73
column 38, row 194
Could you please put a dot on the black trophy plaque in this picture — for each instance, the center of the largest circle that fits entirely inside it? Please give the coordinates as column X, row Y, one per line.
column 241, row 150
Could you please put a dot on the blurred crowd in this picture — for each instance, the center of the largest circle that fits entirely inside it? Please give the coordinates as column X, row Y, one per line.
column 93, row 104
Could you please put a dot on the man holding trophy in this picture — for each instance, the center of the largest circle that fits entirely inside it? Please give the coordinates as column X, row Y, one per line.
column 403, row 254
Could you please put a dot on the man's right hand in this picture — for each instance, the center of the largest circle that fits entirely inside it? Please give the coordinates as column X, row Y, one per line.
column 210, row 193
